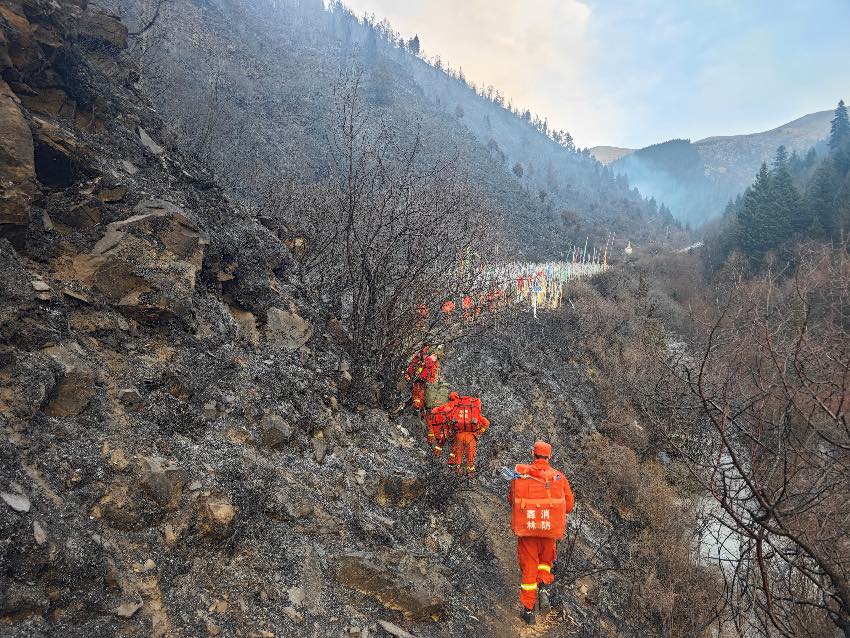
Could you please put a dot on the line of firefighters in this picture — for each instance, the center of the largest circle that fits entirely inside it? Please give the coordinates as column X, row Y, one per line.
column 537, row 285
column 449, row 417
column 540, row 496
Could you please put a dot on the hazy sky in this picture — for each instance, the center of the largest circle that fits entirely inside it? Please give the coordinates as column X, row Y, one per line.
column 636, row 72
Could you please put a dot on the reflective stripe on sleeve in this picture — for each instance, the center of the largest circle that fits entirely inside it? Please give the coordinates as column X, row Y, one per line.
column 528, row 586
column 545, row 568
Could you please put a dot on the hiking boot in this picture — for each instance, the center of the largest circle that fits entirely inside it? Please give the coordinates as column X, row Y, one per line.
column 528, row 616
column 543, row 595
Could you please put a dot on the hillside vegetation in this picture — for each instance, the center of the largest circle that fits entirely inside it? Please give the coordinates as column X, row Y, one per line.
column 796, row 199
column 249, row 87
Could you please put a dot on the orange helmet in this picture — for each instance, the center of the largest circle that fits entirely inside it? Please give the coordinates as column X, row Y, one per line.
column 541, row 448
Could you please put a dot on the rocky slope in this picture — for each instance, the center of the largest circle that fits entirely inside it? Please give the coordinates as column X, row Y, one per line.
column 176, row 460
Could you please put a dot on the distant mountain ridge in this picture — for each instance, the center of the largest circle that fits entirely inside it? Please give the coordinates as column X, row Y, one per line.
column 697, row 179
column 739, row 156
column 609, row 154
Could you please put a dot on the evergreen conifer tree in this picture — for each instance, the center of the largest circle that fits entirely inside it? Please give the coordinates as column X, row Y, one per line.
column 820, row 199
column 816, row 229
column 840, row 130
column 784, row 200
column 754, row 217
column 841, row 216
column 413, row 45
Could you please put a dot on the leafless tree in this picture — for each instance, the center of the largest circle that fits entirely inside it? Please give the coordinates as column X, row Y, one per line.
column 387, row 236
column 760, row 415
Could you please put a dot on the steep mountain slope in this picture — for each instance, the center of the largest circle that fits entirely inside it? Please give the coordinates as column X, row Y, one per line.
column 736, row 158
column 176, row 457
column 674, row 173
column 251, row 88
column 716, row 168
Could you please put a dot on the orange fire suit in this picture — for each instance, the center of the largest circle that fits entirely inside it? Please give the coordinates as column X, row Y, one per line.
column 537, row 555
column 448, row 311
column 465, row 446
column 468, row 310
column 439, row 427
column 424, row 368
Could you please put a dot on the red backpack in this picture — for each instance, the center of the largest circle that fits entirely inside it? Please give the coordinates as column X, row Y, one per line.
column 466, row 414
column 541, row 498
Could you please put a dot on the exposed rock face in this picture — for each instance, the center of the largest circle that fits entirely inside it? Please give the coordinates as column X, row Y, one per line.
column 18, row 502
column 215, row 514
column 416, row 599
column 76, row 385
column 146, row 265
column 287, row 329
column 36, row 77
column 103, row 27
column 399, row 491
column 320, row 446
column 85, row 215
column 277, row 432
column 148, row 142
column 118, row 506
column 17, row 166
column 247, row 324
column 344, row 382
column 162, row 481
column 60, row 158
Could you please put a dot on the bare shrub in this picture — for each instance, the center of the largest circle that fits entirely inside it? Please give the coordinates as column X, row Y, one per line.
column 766, row 401
column 389, row 236
column 671, row 593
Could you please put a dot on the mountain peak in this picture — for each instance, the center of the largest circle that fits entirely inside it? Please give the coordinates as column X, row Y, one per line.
column 610, row 154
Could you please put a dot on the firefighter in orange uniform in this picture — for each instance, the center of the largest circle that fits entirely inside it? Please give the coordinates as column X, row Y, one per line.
column 540, row 499
column 468, row 308
column 448, row 310
column 467, row 424
column 438, row 422
column 424, row 368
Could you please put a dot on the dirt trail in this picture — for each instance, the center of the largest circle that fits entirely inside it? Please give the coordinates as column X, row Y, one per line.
column 503, row 621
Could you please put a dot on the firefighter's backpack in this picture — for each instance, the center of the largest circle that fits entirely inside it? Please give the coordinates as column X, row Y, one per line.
column 539, row 507
column 466, row 414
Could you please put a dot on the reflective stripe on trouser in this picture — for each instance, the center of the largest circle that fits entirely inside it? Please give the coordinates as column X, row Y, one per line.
column 536, row 556
column 528, row 594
